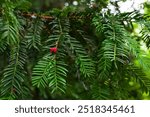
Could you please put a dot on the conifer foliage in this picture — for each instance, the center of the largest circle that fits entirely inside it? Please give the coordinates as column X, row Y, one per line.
column 74, row 52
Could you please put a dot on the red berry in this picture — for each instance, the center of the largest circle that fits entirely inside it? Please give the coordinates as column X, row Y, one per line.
column 53, row 50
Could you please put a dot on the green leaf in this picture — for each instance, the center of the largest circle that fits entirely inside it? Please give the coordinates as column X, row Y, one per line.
column 50, row 73
column 33, row 35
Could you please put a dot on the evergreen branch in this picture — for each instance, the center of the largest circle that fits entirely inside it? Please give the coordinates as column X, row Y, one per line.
column 100, row 93
column 11, row 26
column 33, row 35
column 141, row 78
column 57, row 76
column 145, row 32
column 86, row 66
column 50, row 73
column 41, row 71
column 14, row 74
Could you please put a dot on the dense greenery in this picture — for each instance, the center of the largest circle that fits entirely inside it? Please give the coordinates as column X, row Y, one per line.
column 98, row 56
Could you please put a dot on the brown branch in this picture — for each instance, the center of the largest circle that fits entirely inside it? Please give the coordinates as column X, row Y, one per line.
column 34, row 15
